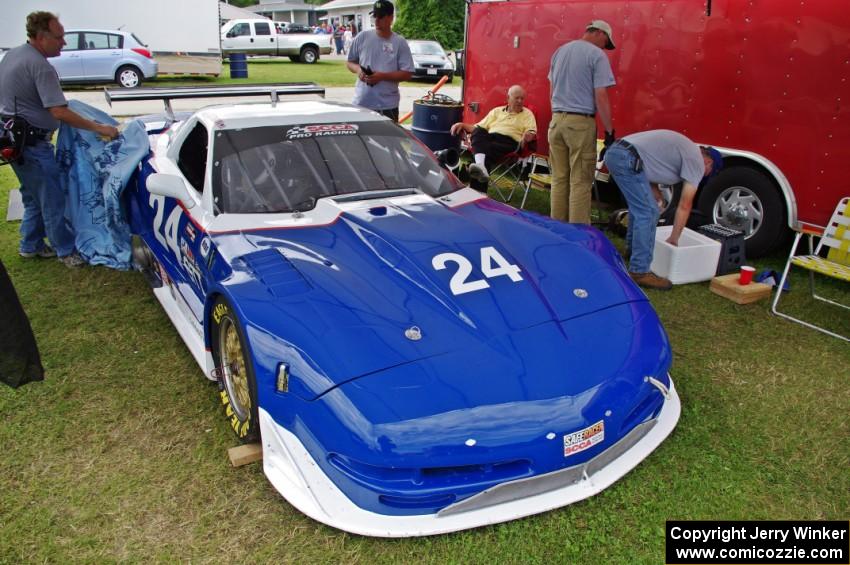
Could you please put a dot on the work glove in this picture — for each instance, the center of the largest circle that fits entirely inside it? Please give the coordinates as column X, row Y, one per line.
column 610, row 138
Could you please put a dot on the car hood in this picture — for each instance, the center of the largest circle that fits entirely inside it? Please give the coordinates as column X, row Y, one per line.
column 429, row 59
column 362, row 294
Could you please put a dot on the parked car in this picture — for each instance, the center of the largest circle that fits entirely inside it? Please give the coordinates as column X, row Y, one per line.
column 265, row 37
column 286, row 27
column 430, row 60
column 94, row 55
column 414, row 357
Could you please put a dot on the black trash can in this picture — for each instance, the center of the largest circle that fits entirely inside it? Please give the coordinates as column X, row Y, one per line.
column 238, row 65
column 432, row 120
column 460, row 66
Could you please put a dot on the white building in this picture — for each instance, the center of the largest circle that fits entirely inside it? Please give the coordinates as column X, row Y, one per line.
column 349, row 11
column 292, row 11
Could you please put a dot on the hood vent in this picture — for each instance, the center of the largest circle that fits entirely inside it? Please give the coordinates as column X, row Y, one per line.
column 276, row 272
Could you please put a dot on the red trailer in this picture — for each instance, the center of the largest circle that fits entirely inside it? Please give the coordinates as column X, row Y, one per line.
column 767, row 82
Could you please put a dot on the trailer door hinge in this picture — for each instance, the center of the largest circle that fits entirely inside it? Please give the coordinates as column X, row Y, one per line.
column 474, row 107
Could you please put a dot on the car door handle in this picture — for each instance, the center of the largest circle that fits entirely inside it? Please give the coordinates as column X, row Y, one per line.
column 252, row 40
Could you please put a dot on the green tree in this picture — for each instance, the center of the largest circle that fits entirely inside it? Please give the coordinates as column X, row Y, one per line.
column 441, row 20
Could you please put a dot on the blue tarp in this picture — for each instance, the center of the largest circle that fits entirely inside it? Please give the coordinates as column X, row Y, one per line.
column 94, row 174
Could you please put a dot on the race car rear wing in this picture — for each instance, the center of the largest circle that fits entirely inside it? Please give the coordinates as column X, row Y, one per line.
column 181, row 92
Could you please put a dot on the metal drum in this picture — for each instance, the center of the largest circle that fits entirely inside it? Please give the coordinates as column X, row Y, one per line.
column 432, row 120
column 238, row 65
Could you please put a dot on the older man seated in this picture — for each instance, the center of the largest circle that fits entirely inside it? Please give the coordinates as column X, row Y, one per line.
column 504, row 130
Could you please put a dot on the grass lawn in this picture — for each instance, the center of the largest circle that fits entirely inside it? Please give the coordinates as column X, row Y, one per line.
column 120, row 454
column 327, row 72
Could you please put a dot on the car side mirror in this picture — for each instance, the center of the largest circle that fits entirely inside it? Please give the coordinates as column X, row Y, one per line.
column 171, row 186
column 231, row 33
column 448, row 158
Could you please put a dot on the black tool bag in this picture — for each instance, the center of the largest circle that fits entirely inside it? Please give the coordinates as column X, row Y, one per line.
column 13, row 137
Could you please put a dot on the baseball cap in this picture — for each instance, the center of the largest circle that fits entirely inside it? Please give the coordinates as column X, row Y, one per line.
column 717, row 159
column 600, row 25
column 382, row 8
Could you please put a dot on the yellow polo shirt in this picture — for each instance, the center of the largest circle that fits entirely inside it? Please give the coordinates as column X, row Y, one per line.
column 500, row 120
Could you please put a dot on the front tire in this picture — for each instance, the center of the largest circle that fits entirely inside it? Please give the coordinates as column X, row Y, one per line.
column 309, row 55
column 128, row 76
column 745, row 199
column 237, row 384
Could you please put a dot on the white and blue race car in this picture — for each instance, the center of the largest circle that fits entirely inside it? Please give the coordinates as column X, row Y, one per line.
column 414, row 357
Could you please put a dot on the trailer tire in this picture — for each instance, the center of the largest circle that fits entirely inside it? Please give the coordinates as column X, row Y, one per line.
column 745, row 199
column 128, row 76
column 309, row 55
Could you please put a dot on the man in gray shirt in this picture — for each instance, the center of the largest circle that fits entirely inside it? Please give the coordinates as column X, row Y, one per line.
column 638, row 163
column 29, row 89
column 381, row 59
column 579, row 77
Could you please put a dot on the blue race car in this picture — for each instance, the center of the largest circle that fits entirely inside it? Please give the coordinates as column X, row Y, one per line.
column 414, row 357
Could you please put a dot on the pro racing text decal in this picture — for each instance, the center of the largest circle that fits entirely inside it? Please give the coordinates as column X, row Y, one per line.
column 321, row 130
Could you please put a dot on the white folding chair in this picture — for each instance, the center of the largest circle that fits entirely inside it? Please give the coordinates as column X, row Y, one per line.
column 836, row 264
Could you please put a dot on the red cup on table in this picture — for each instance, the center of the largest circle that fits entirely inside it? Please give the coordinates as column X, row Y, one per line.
column 746, row 275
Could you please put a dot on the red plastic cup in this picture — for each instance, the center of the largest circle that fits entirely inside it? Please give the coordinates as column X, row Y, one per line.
column 746, row 275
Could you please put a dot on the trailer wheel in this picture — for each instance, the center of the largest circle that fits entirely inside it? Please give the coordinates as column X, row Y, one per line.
column 309, row 55
column 128, row 76
column 745, row 199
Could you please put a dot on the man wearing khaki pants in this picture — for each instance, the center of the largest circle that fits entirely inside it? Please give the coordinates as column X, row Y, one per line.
column 579, row 77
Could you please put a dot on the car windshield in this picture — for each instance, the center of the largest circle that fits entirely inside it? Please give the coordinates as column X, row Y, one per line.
column 287, row 169
column 426, row 49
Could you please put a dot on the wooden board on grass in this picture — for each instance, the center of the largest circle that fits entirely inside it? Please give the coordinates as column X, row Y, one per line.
column 245, row 454
column 727, row 286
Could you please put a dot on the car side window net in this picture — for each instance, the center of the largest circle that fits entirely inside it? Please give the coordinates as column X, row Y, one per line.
column 288, row 169
column 192, row 159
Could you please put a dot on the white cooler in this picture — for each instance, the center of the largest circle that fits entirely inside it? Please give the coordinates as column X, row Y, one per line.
column 693, row 260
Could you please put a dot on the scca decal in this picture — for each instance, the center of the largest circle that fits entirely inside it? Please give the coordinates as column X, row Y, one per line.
column 584, row 439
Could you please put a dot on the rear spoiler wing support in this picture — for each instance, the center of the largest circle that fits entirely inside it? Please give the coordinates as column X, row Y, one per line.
column 274, row 91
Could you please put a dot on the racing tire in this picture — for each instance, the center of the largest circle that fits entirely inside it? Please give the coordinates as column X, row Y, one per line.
column 236, row 381
column 309, row 55
column 745, row 199
column 294, row 58
column 128, row 76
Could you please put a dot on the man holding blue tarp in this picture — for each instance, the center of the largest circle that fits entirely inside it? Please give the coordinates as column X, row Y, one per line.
column 30, row 90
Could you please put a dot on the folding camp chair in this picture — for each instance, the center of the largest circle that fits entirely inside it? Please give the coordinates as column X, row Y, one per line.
column 512, row 163
column 542, row 181
column 836, row 264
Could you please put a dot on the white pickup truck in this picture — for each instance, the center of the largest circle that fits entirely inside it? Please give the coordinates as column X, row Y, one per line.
column 265, row 37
